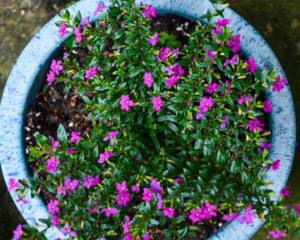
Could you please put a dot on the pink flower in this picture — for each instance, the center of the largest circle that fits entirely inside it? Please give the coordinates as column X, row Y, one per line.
column 78, row 35
column 168, row 212
column 243, row 98
column 211, row 87
column 123, row 198
column 52, row 206
column 128, row 237
column 66, row 230
column 265, row 145
column 232, row 60
column 56, row 67
column 247, row 218
column 18, row 232
column 154, row 39
column 54, row 220
column 277, row 234
column 251, row 65
column 146, row 237
column 106, row 53
column 176, row 52
column 147, row 195
column 13, row 184
column 125, row 102
column 230, row 217
column 197, row 215
column 178, row 180
column 267, row 106
column 206, row 103
column 75, row 137
column 71, row 185
column 235, row 43
column 171, row 69
column 111, row 135
column 62, row 30
column 200, row 113
column 157, row 104
column 210, row 54
column 160, row 201
column 99, row 8
column 135, row 188
column 178, row 71
column 109, row 211
column 51, row 164
column 225, row 119
column 210, row 210
column 61, row 189
column 70, row 150
column 104, row 156
column 149, row 11
column 90, row 72
column 163, row 54
column 126, row 224
column 148, row 80
column 23, row 200
column 255, row 125
column 284, row 192
column 222, row 22
column 171, row 81
column 155, row 186
column 50, row 77
column 298, row 209
column 53, row 144
column 121, row 187
column 279, row 84
column 87, row 182
column 229, row 89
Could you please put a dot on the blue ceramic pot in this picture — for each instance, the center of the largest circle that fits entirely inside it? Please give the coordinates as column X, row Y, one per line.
column 29, row 72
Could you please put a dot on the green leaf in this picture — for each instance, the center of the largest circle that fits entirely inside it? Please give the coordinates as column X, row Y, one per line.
column 182, row 232
column 70, row 43
column 143, row 28
column 119, row 33
column 198, row 32
column 173, row 127
column 136, row 71
column 62, row 136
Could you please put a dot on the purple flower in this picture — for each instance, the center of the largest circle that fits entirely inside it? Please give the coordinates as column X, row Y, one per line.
column 125, row 102
column 231, row 61
column 123, row 198
column 251, row 65
column 171, row 81
column 135, row 188
column 210, row 54
column 62, row 30
column 200, row 113
column 53, row 144
column 284, row 192
column 155, row 186
column 56, row 67
column 163, row 54
column 84, row 22
column 298, row 209
column 229, row 89
column 126, row 224
column 99, row 8
column 176, row 52
column 157, row 104
column 160, row 201
column 18, row 232
column 52, row 206
column 128, row 237
column 106, row 53
column 71, row 185
column 171, row 69
column 255, row 125
column 66, row 230
column 247, row 218
column 222, row 22
column 89, row 181
column 146, row 237
column 78, row 35
column 154, row 39
column 265, row 145
column 211, row 87
column 104, row 156
column 54, row 220
column 197, row 215
column 149, row 11
column 178, row 71
column 243, row 99
column 267, row 106
column 275, row 165
column 216, row 31
column 178, row 180
column 90, row 72
column 111, row 135
column 210, row 210
column 235, row 43
column 23, row 200
column 70, row 150
column 205, row 104
column 147, row 195
column 224, row 121
column 277, row 234
column 278, row 84
column 168, row 212
column 122, row 24
column 75, row 137
column 51, row 164
column 50, row 77
column 109, row 211
column 230, row 217
column 61, row 190
column 148, row 80
column 12, row 185
column 121, row 187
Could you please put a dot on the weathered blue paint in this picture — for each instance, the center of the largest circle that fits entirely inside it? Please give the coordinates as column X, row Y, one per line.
column 30, row 70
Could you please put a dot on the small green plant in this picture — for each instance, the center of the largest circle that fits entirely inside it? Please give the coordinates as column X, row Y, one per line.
column 165, row 37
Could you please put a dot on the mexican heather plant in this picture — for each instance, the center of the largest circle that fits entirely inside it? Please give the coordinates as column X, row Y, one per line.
column 176, row 133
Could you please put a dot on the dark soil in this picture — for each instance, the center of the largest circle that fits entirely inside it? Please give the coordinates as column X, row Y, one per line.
column 53, row 107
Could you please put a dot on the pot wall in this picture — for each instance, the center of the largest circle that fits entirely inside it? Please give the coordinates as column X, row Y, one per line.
column 30, row 70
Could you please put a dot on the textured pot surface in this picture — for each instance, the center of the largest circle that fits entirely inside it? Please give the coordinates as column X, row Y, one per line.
column 30, row 70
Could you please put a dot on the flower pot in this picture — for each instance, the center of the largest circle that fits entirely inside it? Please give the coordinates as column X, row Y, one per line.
column 30, row 70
